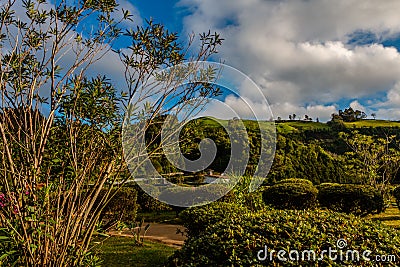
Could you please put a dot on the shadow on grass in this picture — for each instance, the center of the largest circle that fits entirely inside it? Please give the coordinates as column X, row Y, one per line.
column 121, row 251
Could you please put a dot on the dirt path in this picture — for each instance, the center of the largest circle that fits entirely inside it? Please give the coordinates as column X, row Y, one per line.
column 163, row 233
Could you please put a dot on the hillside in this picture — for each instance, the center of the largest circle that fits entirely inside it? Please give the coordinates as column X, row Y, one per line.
column 304, row 149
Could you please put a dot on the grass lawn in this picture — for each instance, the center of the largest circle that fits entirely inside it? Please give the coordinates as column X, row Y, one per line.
column 296, row 126
column 121, row 251
column 390, row 217
column 372, row 123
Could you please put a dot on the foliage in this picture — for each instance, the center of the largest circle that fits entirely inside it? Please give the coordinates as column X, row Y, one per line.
column 374, row 161
column 236, row 240
column 198, row 219
column 349, row 115
column 351, row 198
column 147, row 203
column 121, row 206
column 54, row 167
column 291, row 195
column 240, row 194
column 396, row 194
column 295, row 157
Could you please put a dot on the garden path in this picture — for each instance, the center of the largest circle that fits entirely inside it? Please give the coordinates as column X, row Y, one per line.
column 159, row 232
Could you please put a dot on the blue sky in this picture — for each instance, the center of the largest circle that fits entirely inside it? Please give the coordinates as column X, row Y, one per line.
column 309, row 57
column 164, row 12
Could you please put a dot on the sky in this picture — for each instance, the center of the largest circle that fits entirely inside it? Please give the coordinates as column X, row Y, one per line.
column 309, row 57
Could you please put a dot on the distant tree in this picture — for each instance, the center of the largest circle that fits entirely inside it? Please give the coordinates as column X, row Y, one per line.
column 290, row 117
column 373, row 115
column 279, row 118
column 349, row 115
column 359, row 115
column 306, row 117
column 317, row 119
column 294, row 116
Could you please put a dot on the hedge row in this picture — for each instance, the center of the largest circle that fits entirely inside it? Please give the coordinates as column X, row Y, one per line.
column 229, row 235
column 291, row 195
column 302, row 194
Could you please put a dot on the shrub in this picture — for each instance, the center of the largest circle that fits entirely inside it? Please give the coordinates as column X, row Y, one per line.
column 396, row 194
column 351, row 198
column 122, row 207
column 147, row 203
column 240, row 194
column 236, row 240
column 291, row 195
column 197, row 219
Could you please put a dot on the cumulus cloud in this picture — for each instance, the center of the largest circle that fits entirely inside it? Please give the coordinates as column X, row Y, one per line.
column 302, row 53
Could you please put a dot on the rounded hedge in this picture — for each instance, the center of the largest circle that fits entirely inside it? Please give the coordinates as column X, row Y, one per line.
column 291, row 195
column 237, row 240
column 351, row 198
column 196, row 220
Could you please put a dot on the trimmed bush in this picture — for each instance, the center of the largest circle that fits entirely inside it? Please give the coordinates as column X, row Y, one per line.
column 396, row 194
column 196, row 220
column 351, row 198
column 236, row 240
column 291, row 195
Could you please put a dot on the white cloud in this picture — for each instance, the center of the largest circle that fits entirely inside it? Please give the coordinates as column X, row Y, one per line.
column 233, row 106
column 355, row 105
column 299, row 53
column 390, row 107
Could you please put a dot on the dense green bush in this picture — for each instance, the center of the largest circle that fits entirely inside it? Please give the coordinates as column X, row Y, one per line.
column 396, row 194
column 228, row 239
column 240, row 194
column 351, row 198
column 295, row 194
column 122, row 206
column 196, row 220
column 147, row 203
